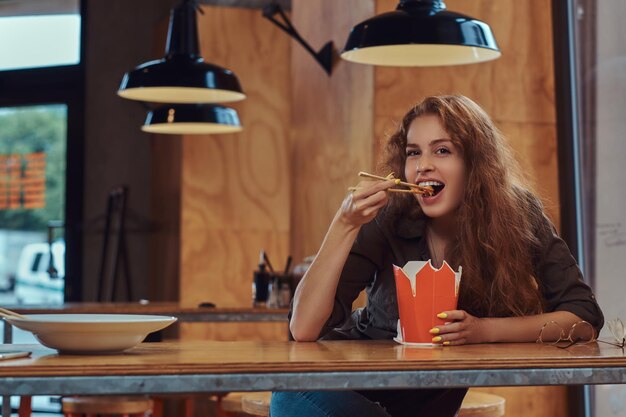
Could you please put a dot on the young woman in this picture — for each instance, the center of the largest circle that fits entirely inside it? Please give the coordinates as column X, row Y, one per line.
column 517, row 273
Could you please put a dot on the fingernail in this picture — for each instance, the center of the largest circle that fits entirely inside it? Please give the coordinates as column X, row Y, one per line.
column 434, row 330
column 446, row 343
column 442, row 315
column 437, row 339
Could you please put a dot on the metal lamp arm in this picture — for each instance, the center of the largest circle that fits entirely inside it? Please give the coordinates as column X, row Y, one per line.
column 324, row 56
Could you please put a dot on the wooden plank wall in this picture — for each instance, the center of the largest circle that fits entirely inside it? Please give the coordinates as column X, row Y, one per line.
column 517, row 90
column 235, row 188
column 331, row 121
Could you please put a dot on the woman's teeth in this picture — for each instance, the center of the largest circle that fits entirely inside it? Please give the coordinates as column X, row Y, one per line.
column 427, row 183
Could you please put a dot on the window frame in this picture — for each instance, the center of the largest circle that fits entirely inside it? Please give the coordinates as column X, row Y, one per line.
column 576, row 210
column 60, row 85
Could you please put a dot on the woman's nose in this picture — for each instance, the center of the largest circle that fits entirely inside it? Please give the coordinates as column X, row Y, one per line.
column 424, row 165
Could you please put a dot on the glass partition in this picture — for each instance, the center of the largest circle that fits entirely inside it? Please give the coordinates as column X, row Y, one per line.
column 600, row 50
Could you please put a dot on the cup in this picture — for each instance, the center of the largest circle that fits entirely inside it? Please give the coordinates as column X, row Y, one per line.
column 423, row 292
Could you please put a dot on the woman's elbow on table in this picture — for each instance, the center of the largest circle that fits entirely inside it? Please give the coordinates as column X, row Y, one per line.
column 303, row 333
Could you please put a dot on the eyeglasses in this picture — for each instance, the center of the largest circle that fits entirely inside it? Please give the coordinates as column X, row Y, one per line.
column 553, row 334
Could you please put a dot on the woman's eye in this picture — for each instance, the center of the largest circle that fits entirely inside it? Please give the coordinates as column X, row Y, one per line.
column 442, row 151
column 412, row 152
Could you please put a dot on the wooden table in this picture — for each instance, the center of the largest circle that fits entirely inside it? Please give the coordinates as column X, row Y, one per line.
column 184, row 313
column 210, row 366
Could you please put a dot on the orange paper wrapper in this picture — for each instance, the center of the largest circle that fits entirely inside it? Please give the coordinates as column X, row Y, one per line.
column 423, row 292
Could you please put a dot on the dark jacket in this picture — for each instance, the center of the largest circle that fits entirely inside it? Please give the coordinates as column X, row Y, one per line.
column 384, row 242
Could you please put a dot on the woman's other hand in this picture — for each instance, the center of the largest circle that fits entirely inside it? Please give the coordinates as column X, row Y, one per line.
column 362, row 205
column 463, row 328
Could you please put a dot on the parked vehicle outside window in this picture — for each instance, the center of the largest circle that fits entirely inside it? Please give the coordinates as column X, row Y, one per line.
column 40, row 278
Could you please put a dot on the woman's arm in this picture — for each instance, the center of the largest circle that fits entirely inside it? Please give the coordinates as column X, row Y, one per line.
column 314, row 297
column 469, row 329
column 567, row 299
column 560, row 279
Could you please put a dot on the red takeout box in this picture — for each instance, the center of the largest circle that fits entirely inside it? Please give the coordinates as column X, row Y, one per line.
column 423, row 292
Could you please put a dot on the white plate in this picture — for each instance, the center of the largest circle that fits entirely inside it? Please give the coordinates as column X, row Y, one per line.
column 91, row 333
column 398, row 340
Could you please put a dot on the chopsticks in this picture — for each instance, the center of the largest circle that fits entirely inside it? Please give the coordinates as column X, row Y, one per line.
column 11, row 314
column 398, row 190
column 414, row 188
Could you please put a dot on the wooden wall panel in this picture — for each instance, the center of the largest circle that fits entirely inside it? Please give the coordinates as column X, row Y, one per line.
column 523, row 75
column 332, row 120
column 536, row 150
column 517, row 90
column 235, row 188
column 236, row 331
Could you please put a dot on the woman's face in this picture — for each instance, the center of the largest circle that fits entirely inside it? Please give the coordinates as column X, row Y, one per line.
column 432, row 159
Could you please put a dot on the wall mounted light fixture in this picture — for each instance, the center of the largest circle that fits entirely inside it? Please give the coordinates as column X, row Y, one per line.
column 421, row 33
column 324, row 56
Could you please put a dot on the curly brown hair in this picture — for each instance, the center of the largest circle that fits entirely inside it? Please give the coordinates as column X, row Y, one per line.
column 495, row 239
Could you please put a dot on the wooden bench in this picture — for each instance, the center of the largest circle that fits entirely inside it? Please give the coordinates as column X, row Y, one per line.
column 475, row 404
column 124, row 406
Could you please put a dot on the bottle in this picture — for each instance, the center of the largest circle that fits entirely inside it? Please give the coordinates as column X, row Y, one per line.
column 260, row 285
column 284, row 294
column 274, row 289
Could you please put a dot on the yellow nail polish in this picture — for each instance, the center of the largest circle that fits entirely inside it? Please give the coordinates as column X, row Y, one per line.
column 434, row 330
column 442, row 315
column 446, row 343
column 437, row 339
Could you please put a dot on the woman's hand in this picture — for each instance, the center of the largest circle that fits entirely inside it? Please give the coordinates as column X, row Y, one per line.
column 314, row 299
column 463, row 329
column 362, row 205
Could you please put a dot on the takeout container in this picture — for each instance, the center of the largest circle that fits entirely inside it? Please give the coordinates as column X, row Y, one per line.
column 423, row 292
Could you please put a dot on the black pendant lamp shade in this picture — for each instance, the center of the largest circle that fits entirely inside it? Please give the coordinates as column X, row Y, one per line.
column 181, row 119
column 421, row 33
column 182, row 76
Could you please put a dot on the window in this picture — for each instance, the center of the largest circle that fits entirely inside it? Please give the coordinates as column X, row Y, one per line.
column 41, row 135
column 32, row 203
column 39, row 41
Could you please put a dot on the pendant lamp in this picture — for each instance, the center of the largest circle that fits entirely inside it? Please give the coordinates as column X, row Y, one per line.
column 421, row 33
column 195, row 119
column 182, row 76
